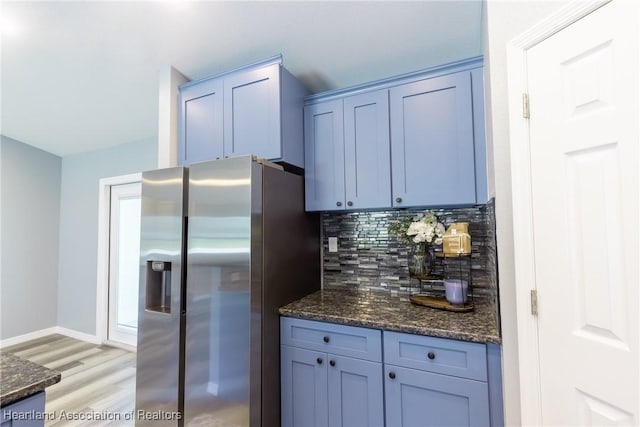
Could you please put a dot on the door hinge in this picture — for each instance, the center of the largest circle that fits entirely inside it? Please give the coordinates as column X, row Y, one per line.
column 534, row 302
column 525, row 105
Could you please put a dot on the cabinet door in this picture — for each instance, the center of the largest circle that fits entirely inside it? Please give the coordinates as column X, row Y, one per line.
column 17, row 414
column 421, row 399
column 479, row 140
column 355, row 392
column 324, row 156
column 366, row 150
column 304, row 387
column 200, row 131
column 432, row 152
column 252, row 113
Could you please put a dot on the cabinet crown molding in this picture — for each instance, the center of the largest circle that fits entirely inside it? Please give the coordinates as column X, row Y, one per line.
column 439, row 70
column 275, row 59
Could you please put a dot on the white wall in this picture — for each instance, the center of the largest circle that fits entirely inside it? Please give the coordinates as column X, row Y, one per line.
column 169, row 80
column 81, row 173
column 504, row 20
column 30, row 194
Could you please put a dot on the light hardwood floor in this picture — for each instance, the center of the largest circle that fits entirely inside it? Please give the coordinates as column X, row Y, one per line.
column 97, row 381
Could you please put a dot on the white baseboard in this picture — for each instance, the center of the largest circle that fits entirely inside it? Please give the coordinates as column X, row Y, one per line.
column 116, row 344
column 93, row 339
column 27, row 337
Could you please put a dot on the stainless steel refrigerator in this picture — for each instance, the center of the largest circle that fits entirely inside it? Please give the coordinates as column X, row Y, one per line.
column 223, row 245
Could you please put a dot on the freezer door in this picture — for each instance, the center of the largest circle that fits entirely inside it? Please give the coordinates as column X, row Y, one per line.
column 218, row 322
column 160, row 311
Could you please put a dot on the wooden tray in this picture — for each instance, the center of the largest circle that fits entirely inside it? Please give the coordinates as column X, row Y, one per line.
column 439, row 303
column 427, row 278
column 443, row 255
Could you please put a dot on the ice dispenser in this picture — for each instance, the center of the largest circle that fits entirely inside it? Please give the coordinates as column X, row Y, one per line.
column 158, row 286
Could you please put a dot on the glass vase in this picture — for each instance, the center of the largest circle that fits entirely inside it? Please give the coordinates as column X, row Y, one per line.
column 420, row 261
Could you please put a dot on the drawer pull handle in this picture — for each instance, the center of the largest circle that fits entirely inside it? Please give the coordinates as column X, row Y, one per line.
column 398, row 199
column 325, row 339
column 332, row 362
column 431, row 355
column 319, row 360
column 338, row 204
column 392, row 375
column 349, row 203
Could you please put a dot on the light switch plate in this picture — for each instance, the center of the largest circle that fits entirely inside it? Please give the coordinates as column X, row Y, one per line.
column 333, row 244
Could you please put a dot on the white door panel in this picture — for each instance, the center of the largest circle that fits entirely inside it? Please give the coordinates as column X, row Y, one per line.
column 124, row 263
column 583, row 89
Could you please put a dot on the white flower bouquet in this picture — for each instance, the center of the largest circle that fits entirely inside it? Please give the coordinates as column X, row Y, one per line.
column 422, row 231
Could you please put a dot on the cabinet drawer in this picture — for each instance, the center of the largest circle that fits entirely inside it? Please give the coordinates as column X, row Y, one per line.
column 451, row 357
column 352, row 341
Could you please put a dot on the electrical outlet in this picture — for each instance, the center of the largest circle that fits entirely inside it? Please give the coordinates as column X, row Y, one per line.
column 333, row 244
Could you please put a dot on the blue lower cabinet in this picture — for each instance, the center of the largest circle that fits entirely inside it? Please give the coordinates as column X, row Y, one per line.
column 320, row 389
column 355, row 393
column 336, row 376
column 304, row 387
column 416, row 398
column 331, row 375
column 433, row 381
column 28, row 412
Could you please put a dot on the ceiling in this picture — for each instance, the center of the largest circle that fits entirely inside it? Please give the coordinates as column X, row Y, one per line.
column 80, row 76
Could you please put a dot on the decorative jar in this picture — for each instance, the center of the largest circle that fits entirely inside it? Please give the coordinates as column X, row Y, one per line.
column 421, row 261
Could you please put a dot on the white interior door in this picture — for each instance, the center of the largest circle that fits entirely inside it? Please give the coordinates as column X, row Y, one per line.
column 124, row 261
column 583, row 89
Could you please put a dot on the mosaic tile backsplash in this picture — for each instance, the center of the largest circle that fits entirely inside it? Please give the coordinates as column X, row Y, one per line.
column 369, row 258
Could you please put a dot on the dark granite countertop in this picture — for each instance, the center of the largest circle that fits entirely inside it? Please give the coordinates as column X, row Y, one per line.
column 20, row 378
column 395, row 313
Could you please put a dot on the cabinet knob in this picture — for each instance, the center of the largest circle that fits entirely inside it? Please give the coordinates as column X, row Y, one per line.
column 398, row 199
column 431, row 355
column 332, row 362
column 338, row 203
column 319, row 360
column 392, row 375
column 349, row 203
column 325, row 339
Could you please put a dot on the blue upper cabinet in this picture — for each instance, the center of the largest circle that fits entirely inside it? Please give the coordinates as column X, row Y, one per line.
column 200, row 124
column 432, row 143
column 366, row 150
column 411, row 140
column 255, row 110
column 480, row 145
column 252, row 113
column 347, row 162
column 324, row 156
